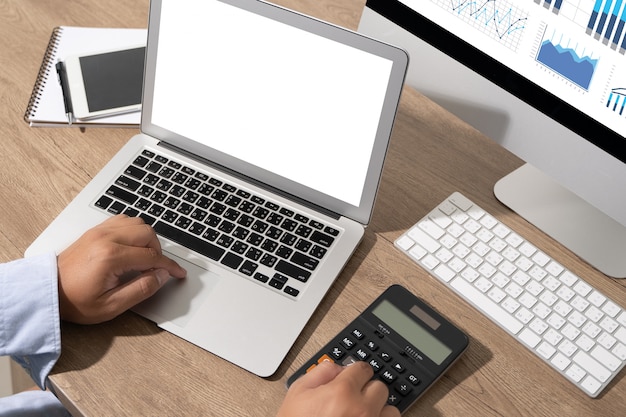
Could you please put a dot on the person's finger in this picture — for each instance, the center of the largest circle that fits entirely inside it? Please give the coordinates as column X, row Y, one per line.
column 137, row 290
column 118, row 218
column 376, row 394
column 357, row 374
column 390, row 411
column 322, row 374
column 134, row 233
column 132, row 258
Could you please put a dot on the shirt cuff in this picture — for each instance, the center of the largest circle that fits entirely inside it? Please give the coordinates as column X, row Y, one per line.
column 32, row 404
column 29, row 309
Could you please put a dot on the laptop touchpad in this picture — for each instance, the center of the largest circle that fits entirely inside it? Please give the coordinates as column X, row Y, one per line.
column 178, row 300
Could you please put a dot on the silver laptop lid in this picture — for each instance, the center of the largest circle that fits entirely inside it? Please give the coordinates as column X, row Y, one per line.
column 297, row 104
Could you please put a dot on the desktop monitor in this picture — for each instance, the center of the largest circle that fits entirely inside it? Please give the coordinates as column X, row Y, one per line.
column 547, row 80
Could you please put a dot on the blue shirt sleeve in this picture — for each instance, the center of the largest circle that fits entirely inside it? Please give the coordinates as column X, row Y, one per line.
column 32, row 404
column 30, row 325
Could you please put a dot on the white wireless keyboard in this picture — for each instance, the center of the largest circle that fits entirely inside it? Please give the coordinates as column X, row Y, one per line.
column 566, row 322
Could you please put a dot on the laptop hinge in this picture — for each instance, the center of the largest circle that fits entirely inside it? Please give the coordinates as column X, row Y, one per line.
column 257, row 183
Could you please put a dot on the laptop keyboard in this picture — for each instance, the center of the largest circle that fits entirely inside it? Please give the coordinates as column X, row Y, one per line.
column 261, row 239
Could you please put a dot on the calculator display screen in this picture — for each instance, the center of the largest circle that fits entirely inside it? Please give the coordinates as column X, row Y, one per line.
column 406, row 327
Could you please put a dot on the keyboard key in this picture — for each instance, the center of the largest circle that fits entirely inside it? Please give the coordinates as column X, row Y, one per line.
column 606, row 358
column 232, row 260
column 428, row 243
column 104, row 202
column 530, row 338
column 592, row 366
column 322, row 238
column 293, row 271
column 189, row 241
column 121, row 194
column 560, row 361
column 591, row 385
column 304, row 261
column 493, row 310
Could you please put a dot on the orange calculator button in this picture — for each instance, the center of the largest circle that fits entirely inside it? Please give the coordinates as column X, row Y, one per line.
column 323, row 358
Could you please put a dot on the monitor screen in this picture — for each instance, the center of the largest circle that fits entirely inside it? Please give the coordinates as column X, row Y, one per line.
column 544, row 78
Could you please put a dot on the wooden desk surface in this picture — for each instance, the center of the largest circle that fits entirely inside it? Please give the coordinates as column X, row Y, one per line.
column 130, row 367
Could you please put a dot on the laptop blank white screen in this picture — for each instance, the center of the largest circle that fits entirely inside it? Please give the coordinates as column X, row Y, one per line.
column 299, row 105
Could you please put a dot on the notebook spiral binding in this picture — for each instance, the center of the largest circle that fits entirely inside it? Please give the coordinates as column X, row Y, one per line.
column 46, row 68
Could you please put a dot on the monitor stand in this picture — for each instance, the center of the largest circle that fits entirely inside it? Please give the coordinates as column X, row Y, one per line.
column 586, row 231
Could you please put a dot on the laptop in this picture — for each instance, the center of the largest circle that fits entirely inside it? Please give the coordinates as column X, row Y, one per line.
column 263, row 137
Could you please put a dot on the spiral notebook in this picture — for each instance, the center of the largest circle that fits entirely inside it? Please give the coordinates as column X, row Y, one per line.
column 45, row 107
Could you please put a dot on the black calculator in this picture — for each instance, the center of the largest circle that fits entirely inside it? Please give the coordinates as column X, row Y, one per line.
column 407, row 343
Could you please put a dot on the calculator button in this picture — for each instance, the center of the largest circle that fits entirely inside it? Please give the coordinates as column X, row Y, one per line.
column 385, row 356
column 337, row 352
column 357, row 333
column 372, row 346
column 398, row 367
column 325, row 358
column 349, row 361
column 403, row 388
column 413, row 379
column 388, row 377
column 362, row 354
column 347, row 343
column 376, row 366
column 393, row 400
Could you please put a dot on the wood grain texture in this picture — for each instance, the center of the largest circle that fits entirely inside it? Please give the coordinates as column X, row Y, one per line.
column 129, row 367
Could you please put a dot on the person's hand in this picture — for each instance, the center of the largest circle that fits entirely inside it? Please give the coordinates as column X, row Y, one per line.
column 330, row 390
column 110, row 268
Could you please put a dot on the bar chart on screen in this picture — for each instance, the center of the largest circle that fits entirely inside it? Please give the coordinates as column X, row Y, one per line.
column 617, row 100
column 607, row 23
column 554, row 5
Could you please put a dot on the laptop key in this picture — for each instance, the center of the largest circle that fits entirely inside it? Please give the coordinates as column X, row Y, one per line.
column 248, row 268
column 278, row 281
column 269, row 260
column 104, row 202
column 304, row 261
column 121, row 194
column 153, row 167
column 232, row 261
column 116, row 208
column 135, row 172
column 322, row 238
column 189, row 241
column 131, row 212
column 140, row 161
column 293, row 271
column 291, row 291
column 147, row 218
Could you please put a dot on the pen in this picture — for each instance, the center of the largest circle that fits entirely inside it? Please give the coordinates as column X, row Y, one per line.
column 67, row 100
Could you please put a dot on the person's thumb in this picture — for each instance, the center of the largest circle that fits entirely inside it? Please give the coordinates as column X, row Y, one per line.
column 322, row 374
